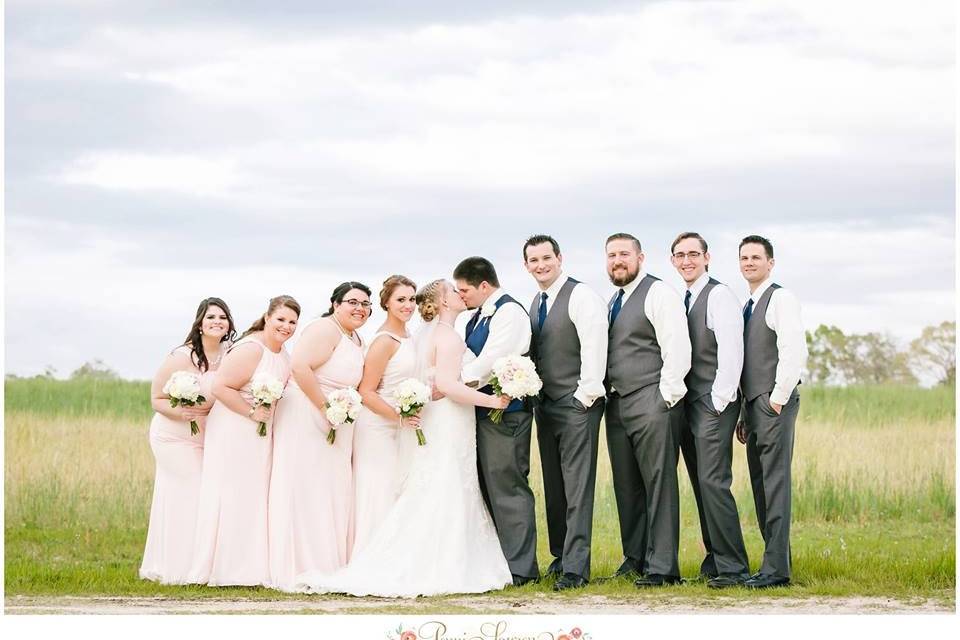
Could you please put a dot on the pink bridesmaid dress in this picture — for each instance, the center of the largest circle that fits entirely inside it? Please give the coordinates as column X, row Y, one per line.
column 376, row 448
column 168, row 552
column 311, row 486
column 230, row 546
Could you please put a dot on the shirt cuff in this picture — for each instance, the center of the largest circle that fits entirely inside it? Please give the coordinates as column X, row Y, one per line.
column 779, row 396
column 584, row 399
column 719, row 403
column 670, row 398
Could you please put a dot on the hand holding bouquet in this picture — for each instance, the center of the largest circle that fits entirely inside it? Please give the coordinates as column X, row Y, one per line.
column 343, row 407
column 410, row 396
column 516, row 377
column 265, row 389
column 183, row 387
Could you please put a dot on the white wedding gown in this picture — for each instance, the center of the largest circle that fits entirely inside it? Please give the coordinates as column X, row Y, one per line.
column 438, row 538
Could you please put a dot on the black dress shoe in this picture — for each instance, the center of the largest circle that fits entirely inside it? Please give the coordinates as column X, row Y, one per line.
column 570, row 581
column 656, row 580
column 763, row 581
column 519, row 581
column 629, row 569
column 727, row 580
column 555, row 568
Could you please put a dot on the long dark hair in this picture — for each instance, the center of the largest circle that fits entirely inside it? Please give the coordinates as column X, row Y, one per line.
column 340, row 293
column 194, row 338
column 275, row 303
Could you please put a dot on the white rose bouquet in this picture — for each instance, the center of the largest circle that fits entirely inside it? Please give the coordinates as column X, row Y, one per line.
column 514, row 376
column 343, row 407
column 183, row 387
column 265, row 389
column 410, row 396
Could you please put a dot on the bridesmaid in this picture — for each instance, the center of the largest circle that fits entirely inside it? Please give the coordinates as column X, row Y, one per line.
column 178, row 453
column 390, row 359
column 231, row 542
column 311, row 486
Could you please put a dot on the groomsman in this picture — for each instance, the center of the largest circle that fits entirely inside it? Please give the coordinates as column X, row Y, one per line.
column 775, row 352
column 648, row 356
column 711, row 409
column 501, row 327
column 569, row 347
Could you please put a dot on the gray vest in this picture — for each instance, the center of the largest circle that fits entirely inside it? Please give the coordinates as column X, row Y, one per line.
column 556, row 348
column 703, row 342
column 633, row 353
column 760, row 354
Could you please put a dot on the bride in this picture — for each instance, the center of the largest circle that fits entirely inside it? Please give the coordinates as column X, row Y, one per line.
column 438, row 537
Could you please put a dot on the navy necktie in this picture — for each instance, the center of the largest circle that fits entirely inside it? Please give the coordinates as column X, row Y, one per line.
column 686, row 300
column 747, row 312
column 542, row 312
column 615, row 310
column 473, row 322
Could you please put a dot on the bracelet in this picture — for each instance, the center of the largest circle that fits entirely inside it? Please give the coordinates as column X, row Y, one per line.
column 250, row 413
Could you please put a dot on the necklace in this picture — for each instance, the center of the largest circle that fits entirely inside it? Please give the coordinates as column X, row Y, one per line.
column 447, row 324
column 349, row 334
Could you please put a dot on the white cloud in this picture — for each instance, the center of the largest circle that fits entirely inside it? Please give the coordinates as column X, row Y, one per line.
column 140, row 171
column 668, row 112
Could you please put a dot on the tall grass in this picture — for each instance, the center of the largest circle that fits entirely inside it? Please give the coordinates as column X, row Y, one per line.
column 871, row 494
column 83, row 397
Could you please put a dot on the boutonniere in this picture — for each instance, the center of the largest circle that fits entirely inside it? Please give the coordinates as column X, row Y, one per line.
column 487, row 311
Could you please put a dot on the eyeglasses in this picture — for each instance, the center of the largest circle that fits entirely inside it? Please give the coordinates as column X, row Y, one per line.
column 357, row 303
column 680, row 255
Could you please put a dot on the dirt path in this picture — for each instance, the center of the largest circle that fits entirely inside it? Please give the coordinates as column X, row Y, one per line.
column 535, row 604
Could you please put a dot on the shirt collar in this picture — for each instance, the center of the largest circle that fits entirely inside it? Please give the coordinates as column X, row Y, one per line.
column 699, row 284
column 554, row 290
column 628, row 288
column 490, row 304
column 755, row 296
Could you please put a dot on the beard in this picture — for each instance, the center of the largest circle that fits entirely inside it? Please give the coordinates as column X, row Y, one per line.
column 625, row 279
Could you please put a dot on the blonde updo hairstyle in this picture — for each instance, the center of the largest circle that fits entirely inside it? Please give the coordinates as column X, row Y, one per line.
column 390, row 285
column 429, row 298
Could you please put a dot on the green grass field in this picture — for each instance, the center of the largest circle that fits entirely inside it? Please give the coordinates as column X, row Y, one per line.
column 873, row 510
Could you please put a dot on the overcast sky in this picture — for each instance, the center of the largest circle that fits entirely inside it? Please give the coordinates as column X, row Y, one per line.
column 161, row 152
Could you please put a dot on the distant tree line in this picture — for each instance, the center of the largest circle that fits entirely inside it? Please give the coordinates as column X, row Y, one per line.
column 837, row 358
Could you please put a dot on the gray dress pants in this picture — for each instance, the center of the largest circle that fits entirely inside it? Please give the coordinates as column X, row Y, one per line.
column 769, row 456
column 712, row 438
column 503, row 460
column 567, row 435
column 642, row 438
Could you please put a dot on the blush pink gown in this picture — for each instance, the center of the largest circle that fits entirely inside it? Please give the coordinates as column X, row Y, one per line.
column 376, row 448
column 311, row 486
column 176, row 487
column 230, row 547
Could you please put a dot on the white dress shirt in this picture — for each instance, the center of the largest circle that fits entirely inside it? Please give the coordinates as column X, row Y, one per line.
column 783, row 317
column 509, row 335
column 588, row 313
column 725, row 319
column 664, row 308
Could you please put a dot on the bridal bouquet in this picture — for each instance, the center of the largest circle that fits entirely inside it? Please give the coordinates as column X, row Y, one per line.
column 265, row 389
column 343, row 407
column 410, row 396
column 183, row 388
column 514, row 376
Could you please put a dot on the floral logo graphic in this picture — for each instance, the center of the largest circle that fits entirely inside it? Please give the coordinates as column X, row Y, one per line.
column 436, row 630
column 402, row 634
column 574, row 634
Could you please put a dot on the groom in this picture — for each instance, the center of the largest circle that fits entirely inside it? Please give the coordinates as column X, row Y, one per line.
column 501, row 327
